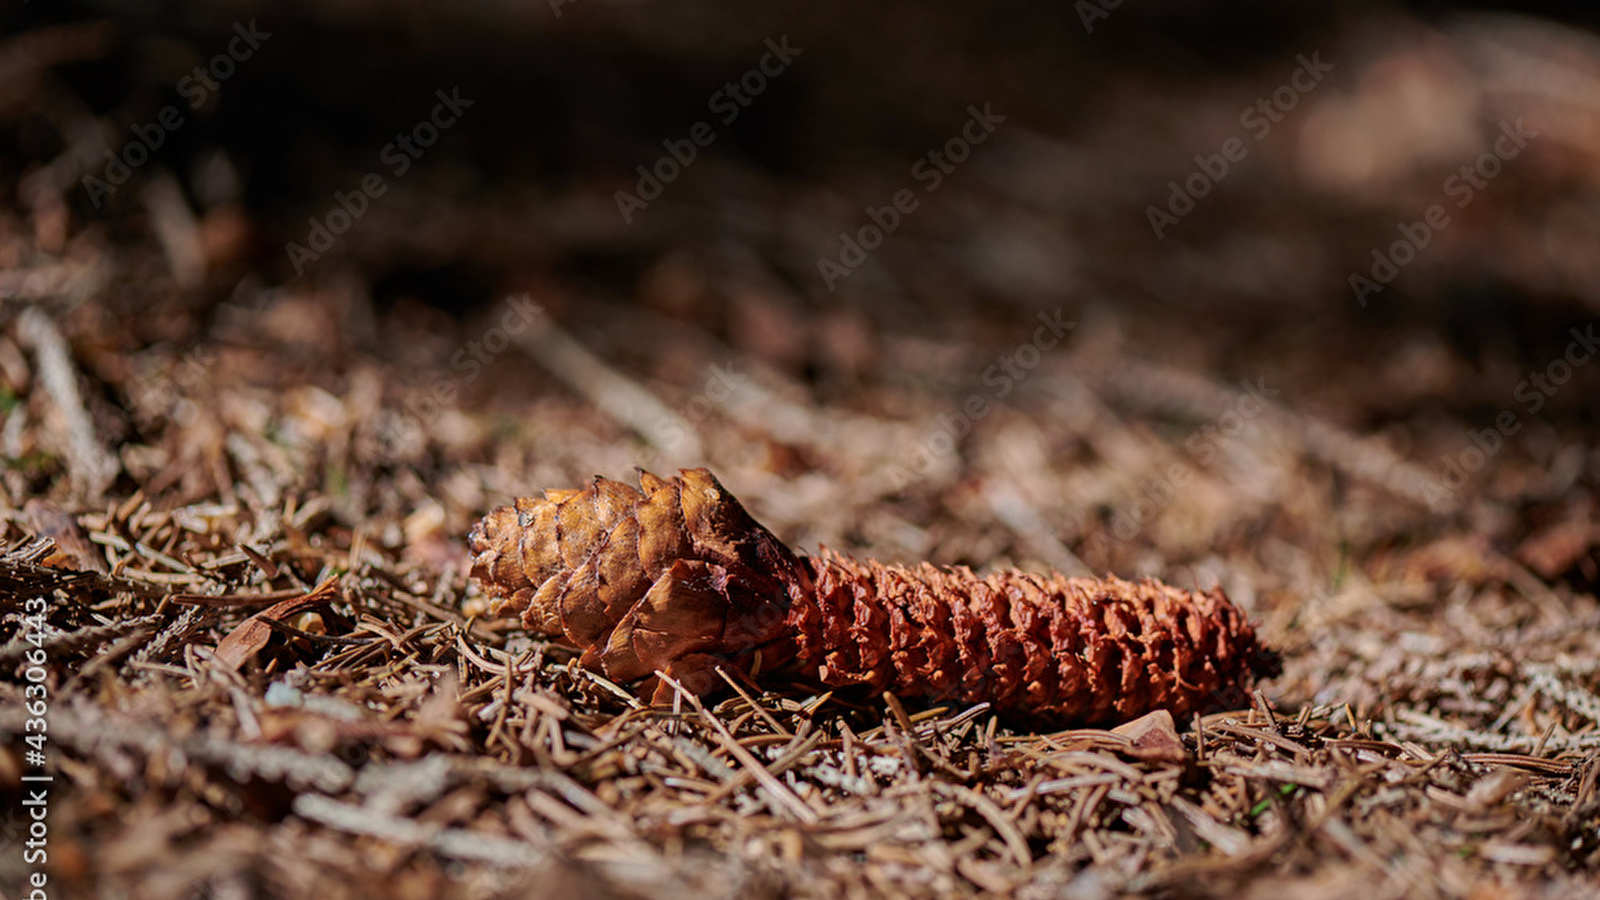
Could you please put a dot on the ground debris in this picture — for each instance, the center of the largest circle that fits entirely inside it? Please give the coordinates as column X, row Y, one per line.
column 234, row 504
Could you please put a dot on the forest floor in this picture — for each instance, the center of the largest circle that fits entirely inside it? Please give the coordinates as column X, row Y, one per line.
column 232, row 559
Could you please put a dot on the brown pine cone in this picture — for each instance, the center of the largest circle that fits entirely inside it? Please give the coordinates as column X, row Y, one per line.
column 680, row 579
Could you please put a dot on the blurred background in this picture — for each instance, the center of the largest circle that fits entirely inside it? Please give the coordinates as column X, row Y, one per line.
column 1158, row 289
column 1383, row 217
column 1299, row 299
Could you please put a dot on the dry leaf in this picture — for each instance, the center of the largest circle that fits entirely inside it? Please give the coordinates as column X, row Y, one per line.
column 246, row 641
column 1154, row 736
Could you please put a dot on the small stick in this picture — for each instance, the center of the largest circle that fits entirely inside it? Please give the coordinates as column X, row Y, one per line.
column 612, row 392
column 93, row 468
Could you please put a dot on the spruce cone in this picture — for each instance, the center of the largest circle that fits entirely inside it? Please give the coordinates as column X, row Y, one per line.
column 679, row 578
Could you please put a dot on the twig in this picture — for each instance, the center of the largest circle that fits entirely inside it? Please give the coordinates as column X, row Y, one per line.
column 93, row 468
column 612, row 392
column 175, row 229
column 455, row 843
column 777, row 792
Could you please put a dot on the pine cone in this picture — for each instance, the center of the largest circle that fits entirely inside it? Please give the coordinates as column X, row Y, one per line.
column 679, row 578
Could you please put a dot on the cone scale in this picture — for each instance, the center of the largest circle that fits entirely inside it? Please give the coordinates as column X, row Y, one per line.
column 677, row 577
